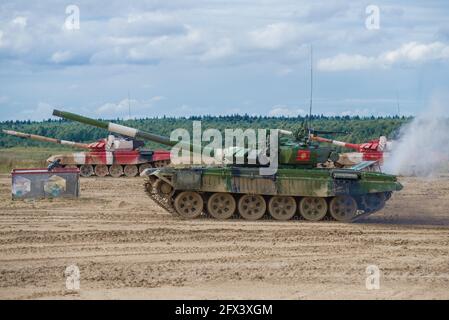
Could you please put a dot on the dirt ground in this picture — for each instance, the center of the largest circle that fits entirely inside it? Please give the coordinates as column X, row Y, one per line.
column 126, row 247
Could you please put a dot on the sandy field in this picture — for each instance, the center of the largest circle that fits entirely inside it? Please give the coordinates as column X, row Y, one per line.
column 127, row 247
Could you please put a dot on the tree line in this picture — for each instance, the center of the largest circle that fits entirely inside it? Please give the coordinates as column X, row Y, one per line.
column 357, row 129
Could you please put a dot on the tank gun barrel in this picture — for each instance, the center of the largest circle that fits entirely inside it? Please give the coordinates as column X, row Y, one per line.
column 336, row 142
column 46, row 139
column 115, row 128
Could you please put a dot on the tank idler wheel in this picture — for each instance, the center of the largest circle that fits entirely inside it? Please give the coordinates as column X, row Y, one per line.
column 148, row 185
column 131, row 170
column 252, row 207
column 144, row 166
column 189, row 204
column 221, row 205
column 282, row 207
column 116, row 170
column 152, row 180
column 101, row 170
column 313, row 208
column 163, row 189
column 86, row 170
column 343, row 208
column 373, row 202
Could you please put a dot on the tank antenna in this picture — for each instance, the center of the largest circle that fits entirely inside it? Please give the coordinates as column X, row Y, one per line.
column 129, row 107
column 311, row 89
column 397, row 103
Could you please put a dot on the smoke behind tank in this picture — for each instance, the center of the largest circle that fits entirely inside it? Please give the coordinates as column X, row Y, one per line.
column 422, row 148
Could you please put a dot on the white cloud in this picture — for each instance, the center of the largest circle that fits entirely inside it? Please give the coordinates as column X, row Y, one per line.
column 357, row 112
column 42, row 111
column 20, row 21
column 61, row 56
column 152, row 16
column 221, row 49
column 327, row 10
column 121, row 109
column 245, row 47
column 157, row 98
column 150, row 49
column 412, row 52
column 274, row 36
column 283, row 111
column 346, row 62
column 166, row 46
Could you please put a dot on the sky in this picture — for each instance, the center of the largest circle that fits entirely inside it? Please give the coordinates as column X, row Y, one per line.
column 136, row 59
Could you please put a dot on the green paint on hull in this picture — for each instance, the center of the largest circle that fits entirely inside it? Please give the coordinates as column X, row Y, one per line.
column 286, row 182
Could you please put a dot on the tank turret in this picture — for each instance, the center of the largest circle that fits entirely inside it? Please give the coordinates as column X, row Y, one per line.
column 373, row 150
column 294, row 148
column 379, row 145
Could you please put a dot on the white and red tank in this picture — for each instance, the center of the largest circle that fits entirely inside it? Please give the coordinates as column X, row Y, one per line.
column 110, row 156
column 373, row 150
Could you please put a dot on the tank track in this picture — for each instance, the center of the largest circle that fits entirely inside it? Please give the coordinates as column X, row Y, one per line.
column 163, row 202
column 168, row 205
column 158, row 164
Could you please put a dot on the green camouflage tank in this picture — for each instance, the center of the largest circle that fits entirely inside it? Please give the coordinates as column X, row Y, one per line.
column 305, row 184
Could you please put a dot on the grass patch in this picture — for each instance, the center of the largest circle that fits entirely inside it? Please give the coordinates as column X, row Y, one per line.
column 26, row 157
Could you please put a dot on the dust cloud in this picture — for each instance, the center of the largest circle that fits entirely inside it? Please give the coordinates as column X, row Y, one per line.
column 422, row 147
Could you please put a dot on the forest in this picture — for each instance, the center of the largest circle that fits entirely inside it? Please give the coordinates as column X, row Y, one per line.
column 352, row 129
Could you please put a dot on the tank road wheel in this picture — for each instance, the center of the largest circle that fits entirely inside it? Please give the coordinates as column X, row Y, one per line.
column 116, row 170
column 373, row 202
column 163, row 189
column 86, row 170
column 131, row 170
column 189, row 204
column 343, row 208
column 144, row 166
column 101, row 170
column 221, row 205
column 252, row 207
column 313, row 208
column 282, row 208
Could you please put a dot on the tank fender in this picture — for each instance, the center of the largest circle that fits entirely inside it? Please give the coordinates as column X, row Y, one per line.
column 148, row 172
column 156, row 172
